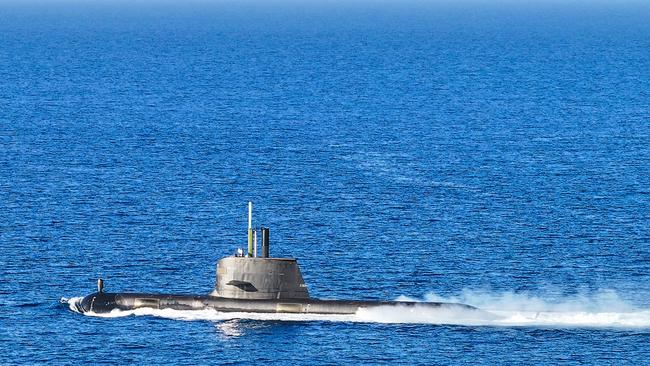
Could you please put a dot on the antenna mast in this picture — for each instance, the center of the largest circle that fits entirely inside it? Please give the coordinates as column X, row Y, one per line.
column 250, row 228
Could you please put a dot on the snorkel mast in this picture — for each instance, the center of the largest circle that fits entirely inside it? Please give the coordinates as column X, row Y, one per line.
column 250, row 228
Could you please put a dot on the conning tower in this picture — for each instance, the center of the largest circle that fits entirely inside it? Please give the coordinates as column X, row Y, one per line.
column 252, row 277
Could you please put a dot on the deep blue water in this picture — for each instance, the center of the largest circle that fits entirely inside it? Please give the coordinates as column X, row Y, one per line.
column 493, row 154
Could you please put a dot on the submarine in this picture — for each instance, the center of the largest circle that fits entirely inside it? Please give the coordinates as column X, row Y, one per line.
column 245, row 283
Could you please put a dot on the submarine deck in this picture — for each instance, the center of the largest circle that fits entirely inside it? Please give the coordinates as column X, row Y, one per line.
column 101, row 302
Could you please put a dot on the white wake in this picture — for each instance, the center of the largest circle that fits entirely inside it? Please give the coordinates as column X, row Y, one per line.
column 604, row 309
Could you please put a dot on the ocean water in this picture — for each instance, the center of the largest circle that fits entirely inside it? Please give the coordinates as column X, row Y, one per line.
column 495, row 154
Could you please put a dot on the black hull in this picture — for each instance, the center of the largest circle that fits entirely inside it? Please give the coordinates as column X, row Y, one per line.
column 101, row 302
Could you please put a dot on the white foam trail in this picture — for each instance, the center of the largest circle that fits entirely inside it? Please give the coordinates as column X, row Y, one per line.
column 605, row 309
column 602, row 309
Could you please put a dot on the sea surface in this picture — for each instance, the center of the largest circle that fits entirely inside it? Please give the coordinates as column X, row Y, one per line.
column 491, row 153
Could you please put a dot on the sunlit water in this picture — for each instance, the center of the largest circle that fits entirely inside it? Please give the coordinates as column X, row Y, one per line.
column 493, row 155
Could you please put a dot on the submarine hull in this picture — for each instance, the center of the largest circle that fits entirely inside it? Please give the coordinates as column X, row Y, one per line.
column 101, row 303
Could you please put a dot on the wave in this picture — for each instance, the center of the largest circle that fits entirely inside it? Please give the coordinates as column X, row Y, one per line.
column 604, row 309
